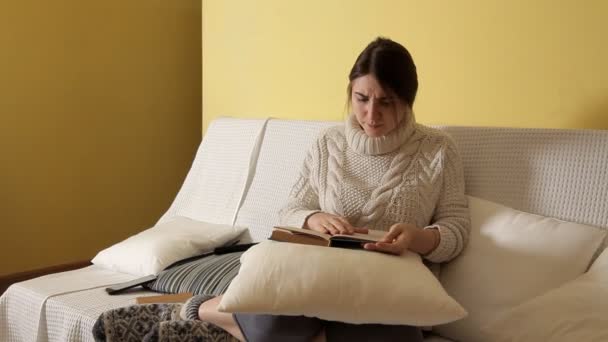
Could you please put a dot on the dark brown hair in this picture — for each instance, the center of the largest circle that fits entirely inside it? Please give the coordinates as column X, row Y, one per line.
column 391, row 64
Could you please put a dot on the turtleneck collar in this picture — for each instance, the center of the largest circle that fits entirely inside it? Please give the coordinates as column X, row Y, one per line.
column 364, row 144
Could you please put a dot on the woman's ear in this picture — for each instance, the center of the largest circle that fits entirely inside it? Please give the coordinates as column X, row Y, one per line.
column 403, row 111
column 408, row 111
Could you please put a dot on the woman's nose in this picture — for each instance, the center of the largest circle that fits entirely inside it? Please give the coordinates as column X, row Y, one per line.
column 372, row 109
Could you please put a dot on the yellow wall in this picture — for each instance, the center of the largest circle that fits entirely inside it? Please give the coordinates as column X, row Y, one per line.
column 100, row 110
column 514, row 63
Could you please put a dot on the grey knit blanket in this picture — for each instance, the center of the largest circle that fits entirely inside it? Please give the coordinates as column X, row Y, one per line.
column 154, row 322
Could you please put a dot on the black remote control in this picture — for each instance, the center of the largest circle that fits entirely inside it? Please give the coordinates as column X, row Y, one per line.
column 115, row 289
column 233, row 248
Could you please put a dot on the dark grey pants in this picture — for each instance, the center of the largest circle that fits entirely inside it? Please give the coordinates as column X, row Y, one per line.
column 264, row 328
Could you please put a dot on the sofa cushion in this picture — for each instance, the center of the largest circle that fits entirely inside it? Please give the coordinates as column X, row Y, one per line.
column 512, row 256
column 576, row 311
column 353, row 286
column 152, row 250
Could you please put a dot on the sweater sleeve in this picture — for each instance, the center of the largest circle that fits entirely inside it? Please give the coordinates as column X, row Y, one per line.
column 451, row 215
column 303, row 199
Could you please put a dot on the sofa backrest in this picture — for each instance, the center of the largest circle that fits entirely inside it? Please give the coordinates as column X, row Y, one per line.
column 282, row 152
column 561, row 173
column 247, row 167
column 216, row 182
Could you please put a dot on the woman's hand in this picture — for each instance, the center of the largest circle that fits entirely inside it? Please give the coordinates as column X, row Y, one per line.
column 331, row 224
column 404, row 236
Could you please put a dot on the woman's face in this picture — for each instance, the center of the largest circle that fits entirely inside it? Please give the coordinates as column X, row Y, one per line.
column 378, row 112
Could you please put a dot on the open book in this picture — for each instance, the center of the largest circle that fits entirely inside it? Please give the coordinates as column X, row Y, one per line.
column 311, row 237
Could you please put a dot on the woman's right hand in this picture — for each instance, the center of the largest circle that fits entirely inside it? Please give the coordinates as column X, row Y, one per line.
column 331, row 224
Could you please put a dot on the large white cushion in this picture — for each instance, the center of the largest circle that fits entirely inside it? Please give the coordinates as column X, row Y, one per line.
column 150, row 251
column 511, row 257
column 576, row 311
column 354, row 286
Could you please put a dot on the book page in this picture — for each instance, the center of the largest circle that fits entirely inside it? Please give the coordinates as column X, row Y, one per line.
column 372, row 235
column 304, row 231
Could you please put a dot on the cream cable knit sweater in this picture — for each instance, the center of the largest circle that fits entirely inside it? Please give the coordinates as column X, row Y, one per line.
column 413, row 175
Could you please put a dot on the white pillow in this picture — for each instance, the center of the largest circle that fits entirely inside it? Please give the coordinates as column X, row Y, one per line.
column 576, row 311
column 150, row 251
column 353, row 286
column 512, row 256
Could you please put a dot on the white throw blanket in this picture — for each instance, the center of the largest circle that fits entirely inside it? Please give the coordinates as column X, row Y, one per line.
column 24, row 306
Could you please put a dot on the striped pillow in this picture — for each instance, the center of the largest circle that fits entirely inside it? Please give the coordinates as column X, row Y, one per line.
column 210, row 275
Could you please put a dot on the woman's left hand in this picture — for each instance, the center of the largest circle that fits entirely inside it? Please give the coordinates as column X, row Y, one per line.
column 398, row 239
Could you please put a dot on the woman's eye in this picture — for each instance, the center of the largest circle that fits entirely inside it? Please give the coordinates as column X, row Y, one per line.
column 362, row 100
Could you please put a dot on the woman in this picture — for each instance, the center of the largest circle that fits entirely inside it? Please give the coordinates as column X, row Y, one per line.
column 381, row 170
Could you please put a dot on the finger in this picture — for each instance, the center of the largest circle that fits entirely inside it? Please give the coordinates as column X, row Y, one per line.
column 342, row 224
column 392, row 234
column 392, row 248
column 341, row 229
column 369, row 246
column 319, row 228
column 379, row 247
column 402, row 243
column 330, row 228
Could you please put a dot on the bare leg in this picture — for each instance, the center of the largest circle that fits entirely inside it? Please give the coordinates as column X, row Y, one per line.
column 208, row 312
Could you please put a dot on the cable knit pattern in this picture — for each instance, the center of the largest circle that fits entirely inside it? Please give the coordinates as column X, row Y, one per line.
column 413, row 175
column 391, row 180
column 334, row 173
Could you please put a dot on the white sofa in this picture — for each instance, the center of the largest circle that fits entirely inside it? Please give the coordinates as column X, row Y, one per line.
column 243, row 172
